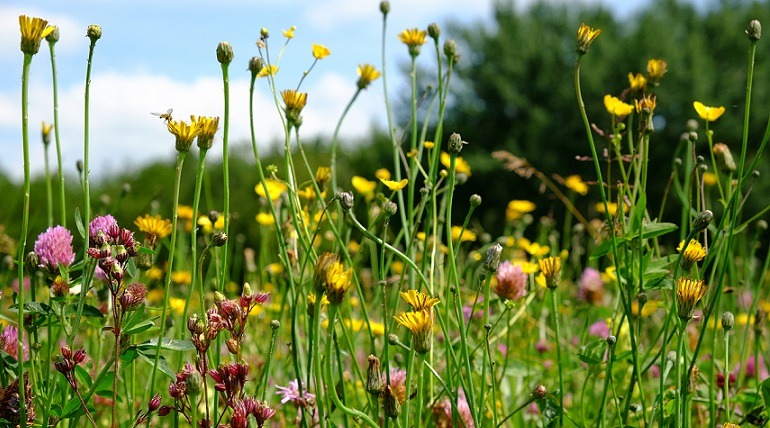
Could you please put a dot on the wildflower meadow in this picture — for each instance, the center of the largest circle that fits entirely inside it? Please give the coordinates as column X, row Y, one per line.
column 380, row 301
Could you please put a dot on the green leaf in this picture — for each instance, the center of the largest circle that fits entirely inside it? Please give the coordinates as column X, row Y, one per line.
column 169, row 344
column 71, row 409
column 162, row 364
column 88, row 311
column 593, row 352
column 139, row 327
column 606, row 247
column 38, row 308
column 79, row 224
column 654, row 229
column 764, row 390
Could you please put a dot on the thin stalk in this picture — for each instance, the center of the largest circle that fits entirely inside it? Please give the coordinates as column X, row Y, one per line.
column 171, row 254
column 680, row 382
column 48, row 187
column 727, row 374
column 225, row 171
column 316, row 356
column 62, row 200
column 420, row 389
column 486, row 360
column 555, row 319
column 24, row 232
column 193, row 237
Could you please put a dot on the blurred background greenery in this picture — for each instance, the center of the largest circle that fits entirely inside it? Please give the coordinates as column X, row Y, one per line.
column 512, row 90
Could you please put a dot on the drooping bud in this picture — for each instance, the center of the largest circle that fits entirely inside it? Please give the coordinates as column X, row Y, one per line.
column 347, row 200
column 219, row 239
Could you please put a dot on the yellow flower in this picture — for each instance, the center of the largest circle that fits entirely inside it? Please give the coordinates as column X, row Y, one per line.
column 205, row 223
column 550, row 267
column 320, row 51
column 692, row 254
column 33, row 30
column 395, row 185
column 517, row 208
column 413, row 39
column 366, row 75
column 646, row 104
column 208, row 127
column 382, row 174
column 637, row 82
column 429, row 145
column 418, row 300
column 155, row 296
column 322, row 175
column 612, row 206
column 467, row 235
column 527, row 266
column 609, row 275
column 585, row 36
column 154, row 274
column 268, row 70
column 353, row 247
column 176, row 305
column 616, row 107
column 184, row 132
column 154, row 227
column 688, row 292
column 337, row 282
column 461, row 167
column 648, row 309
column 45, row 132
column 576, row 184
column 265, row 219
column 184, row 212
column 537, row 250
column 656, row 68
column 274, row 187
column 397, row 267
column 706, row 113
column 376, row 328
column 274, row 269
column 709, row 179
column 364, row 186
column 181, row 277
column 294, row 101
column 289, row 34
column 420, row 323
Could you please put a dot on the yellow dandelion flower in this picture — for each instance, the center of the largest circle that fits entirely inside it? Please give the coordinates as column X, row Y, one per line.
column 648, row 309
column 637, row 82
column 576, row 184
column 265, row 219
column 155, row 296
column 366, row 75
column 268, row 70
column 467, row 235
column 184, row 132
column 609, row 275
column 413, row 38
column 208, row 127
column 694, row 253
column 461, row 167
column 550, row 267
column 320, row 51
column 517, row 208
column 353, row 247
column 419, row 300
column 616, row 107
column 154, row 227
column 377, row 328
column 537, row 250
column 656, row 68
column 181, row 277
column 289, row 34
column 274, row 187
column 429, row 145
column 294, row 101
column 420, row 323
column 363, row 186
column 526, row 266
column 274, row 269
column 688, row 292
column 207, row 226
column 706, row 113
column 184, row 212
column 33, row 30
column 395, row 185
column 337, row 282
column 585, row 36
column 382, row 174
column 322, row 175
column 176, row 305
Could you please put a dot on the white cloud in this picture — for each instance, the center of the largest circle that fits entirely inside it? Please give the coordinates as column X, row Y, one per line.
column 10, row 36
column 123, row 133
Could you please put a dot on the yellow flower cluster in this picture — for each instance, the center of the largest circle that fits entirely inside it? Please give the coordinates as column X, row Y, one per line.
column 420, row 320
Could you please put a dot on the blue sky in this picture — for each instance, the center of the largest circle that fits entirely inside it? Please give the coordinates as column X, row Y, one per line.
column 160, row 54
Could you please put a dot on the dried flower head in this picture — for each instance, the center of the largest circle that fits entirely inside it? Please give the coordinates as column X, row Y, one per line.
column 688, row 292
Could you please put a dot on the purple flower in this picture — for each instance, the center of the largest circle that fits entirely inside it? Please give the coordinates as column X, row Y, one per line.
column 291, row 393
column 442, row 412
column 54, row 247
column 102, row 223
column 751, row 368
column 9, row 339
column 599, row 329
column 511, row 281
column 591, row 287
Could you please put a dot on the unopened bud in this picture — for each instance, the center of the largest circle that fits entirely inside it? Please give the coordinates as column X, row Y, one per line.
column 450, row 49
column 702, row 221
column 275, row 324
column 194, row 383
column 154, row 403
column 754, row 32
column 724, row 157
column 389, row 208
column 164, row 410
column 611, row 340
column 219, row 297
column 225, row 53
column 728, row 321
column 455, row 143
column 219, row 239
column 434, row 31
column 492, row 258
column 373, row 376
column 192, row 322
column 539, row 392
column 385, row 7
column 475, row 200
column 641, row 298
column 94, row 32
column 264, row 33
column 255, row 65
column 390, row 403
column 347, row 200
column 233, row 346
column 53, row 36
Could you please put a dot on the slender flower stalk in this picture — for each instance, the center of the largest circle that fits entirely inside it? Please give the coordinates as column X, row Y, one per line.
column 46, row 137
column 52, row 38
column 225, row 57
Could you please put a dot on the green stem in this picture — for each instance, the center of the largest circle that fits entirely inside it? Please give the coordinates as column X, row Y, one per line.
column 24, row 232
column 48, row 188
column 171, row 254
column 680, row 383
column 555, row 319
column 62, row 200
column 316, row 356
column 193, row 237
column 727, row 374
column 335, row 136
column 486, row 359
column 225, row 172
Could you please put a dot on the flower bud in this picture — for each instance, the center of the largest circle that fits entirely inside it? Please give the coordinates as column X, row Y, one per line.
column 255, row 65
column 389, row 208
column 754, row 32
column 264, row 33
column 492, row 258
column 702, row 221
column 275, row 324
column 194, row 383
column 219, row 239
column 347, row 200
column 192, row 322
column 728, row 321
column 475, row 200
column 219, row 297
column 164, row 410
column 455, row 143
column 53, row 36
column 450, row 49
column 390, row 403
column 233, row 346
column 66, row 352
column 94, row 32
column 539, row 392
column 724, row 158
column 434, row 31
column 611, row 340
column 225, row 53
column 385, row 7
column 154, row 403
